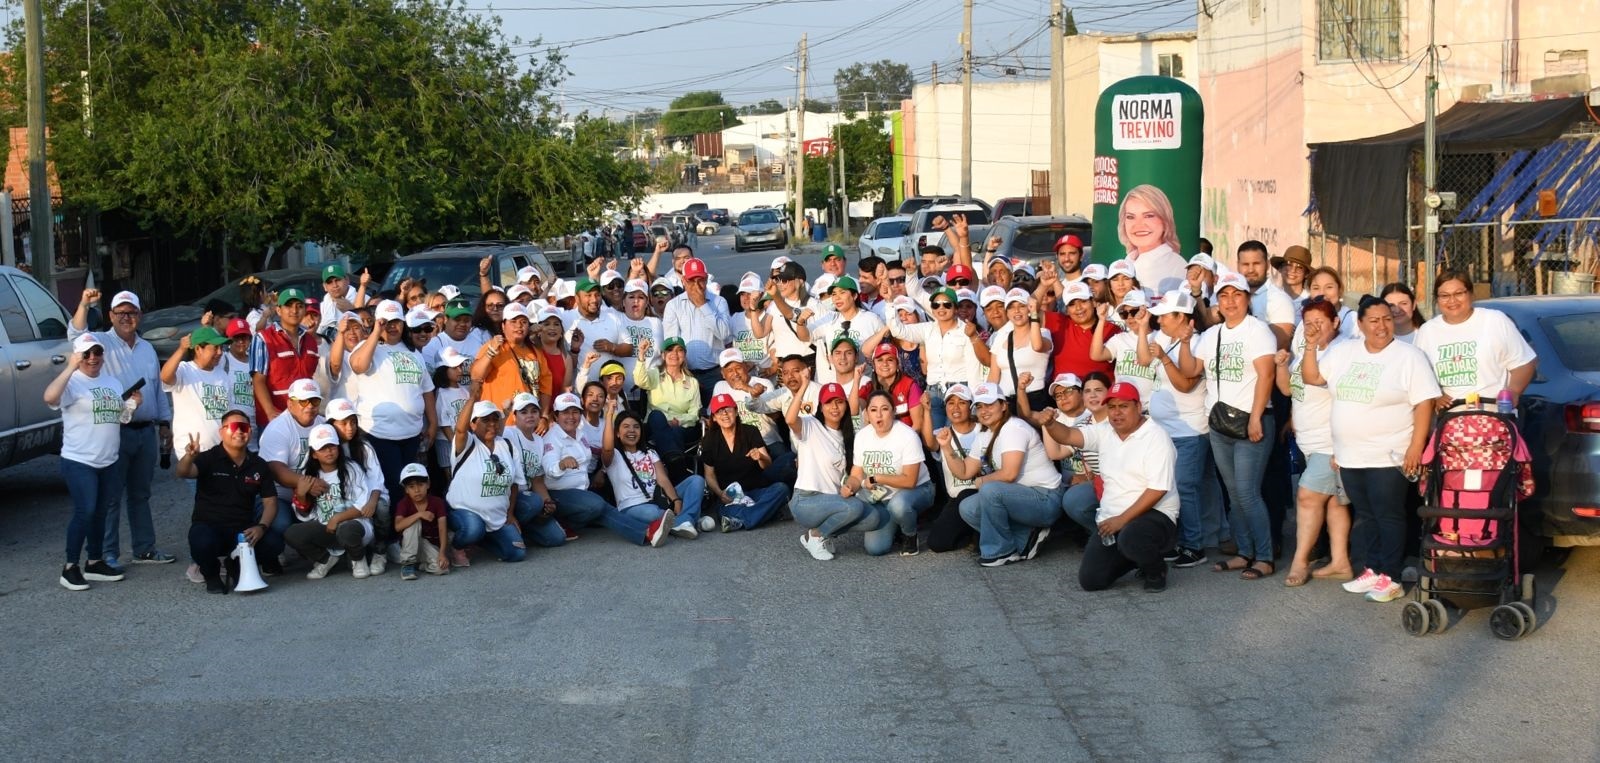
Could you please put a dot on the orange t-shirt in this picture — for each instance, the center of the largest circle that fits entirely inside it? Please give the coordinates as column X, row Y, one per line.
column 504, row 379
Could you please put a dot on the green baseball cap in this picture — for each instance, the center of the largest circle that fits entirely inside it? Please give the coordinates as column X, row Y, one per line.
column 290, row 295
column 457, row 309
column 945, row 292
column 332, row 270
column 206, row 335
column 843, row 339
column 672, row 341
column 845, row 282
column 585, row 284
column 832, row 250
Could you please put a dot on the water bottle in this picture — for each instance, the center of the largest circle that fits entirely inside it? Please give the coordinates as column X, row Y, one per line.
column 1108, row 540
column 1398, row 460
column 1503, row 404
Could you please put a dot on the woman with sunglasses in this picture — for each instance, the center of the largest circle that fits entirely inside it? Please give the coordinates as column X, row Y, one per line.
column 394, row 397
column 484, row 483
column 949, row 530
column 1178, row 403
column 639, row 480
column 955, row 353
column 335, row 508
column 92, row 414
column 1122, row 350
column 1472, row 349
column 233, row 497
column 1320, row 497
column 788, row 283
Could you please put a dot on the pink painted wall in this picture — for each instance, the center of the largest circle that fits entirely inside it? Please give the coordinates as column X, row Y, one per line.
column 1256, row 178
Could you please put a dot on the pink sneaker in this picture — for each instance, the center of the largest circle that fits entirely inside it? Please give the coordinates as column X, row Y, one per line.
column 458, row 558
column 1385, row 590
column 1364, row 583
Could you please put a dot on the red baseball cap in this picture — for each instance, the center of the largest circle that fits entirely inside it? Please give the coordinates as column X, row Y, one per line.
column 959, row 271
column 723, row 400
column 883, row 348
column 1123, row 391
column 237, row 327
column 830, row 391
column 694, row 267
column 1070, row 238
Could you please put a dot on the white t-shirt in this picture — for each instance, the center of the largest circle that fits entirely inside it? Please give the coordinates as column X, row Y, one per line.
column 762, row 422
column 1144, row 461
column 1124, row 349
column 820, row 457
column 1241, row 346
column 1182, row 414
column 1349, row 328
column 1313, row 405
column 1036, row 363
column 529, row 453
column 1272, row 305
column 342, row 495
column 241, row 387
column 468, row 347
column 199, row 399
column 591, row 435
column 952, row 485
column 390, row 405
column 1373, row 396
column 1475, row 355
column 826, row 327
column 886, row 454
column 623, row 486
column 91, row 418
column 558, row 445
column 1016, row 436
column 782, row 338
column 373, row 471
column 477, row 486
column 754, row 350
column 603, row 326
column 645, row 331
column 284, row 441
column 447, row 405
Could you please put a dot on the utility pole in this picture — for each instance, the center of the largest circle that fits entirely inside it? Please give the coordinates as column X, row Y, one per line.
column 800, row 140
column 1430, row 167
column 788, row 158
column 40, row 219
column 1058, row 110
column 966, row 99
column 844, row 192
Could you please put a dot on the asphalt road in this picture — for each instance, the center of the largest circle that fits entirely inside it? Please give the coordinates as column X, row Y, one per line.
column 742, row 647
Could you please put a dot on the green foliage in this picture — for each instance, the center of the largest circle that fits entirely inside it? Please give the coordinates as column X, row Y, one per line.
column 698, row 112
column 382, row 125
column 868, row 163
column 768, row 106
column 880, row 84
column 1069, row 26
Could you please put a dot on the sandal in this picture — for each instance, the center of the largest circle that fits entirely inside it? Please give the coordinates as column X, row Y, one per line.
column 1254, row 571
column 1229, row 566
column 1296, row 578
column 1327, row 571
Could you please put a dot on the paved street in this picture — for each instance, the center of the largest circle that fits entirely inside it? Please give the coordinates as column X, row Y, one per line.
column 742, row 647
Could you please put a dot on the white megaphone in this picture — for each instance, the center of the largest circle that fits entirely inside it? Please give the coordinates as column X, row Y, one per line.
column 249, row 571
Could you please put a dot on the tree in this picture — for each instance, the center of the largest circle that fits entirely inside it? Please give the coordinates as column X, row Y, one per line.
column 698, row 112
column 883, row 84
column 768, row 106
column 815, row 106
column 378, row 126
column 868, row 164
column 1069, row 26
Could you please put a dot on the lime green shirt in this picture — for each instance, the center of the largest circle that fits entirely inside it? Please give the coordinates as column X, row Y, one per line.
column 677, row 400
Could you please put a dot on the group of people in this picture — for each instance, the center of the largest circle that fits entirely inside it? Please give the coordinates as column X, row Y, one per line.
column 935, row 403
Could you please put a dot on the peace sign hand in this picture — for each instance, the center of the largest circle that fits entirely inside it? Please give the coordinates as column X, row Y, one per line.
column 192, row 446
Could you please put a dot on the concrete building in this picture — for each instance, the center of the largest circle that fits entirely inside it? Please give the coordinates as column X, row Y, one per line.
column 1278, row 76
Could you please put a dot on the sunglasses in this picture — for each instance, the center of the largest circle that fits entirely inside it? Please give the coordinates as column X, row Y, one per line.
column 499, row 466
column 94, row 352
column 236, row 427
column 494, row 305
column 1128, row 312
column 612, row 286
column 897, row 281
column 942, row 305
column 961, row 282
column 426, row 328
column 123, row 313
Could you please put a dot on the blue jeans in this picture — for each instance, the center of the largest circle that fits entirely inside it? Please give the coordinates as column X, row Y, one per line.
column 468, row 529
column 670, row 441
column 767, row 502
column 833, row 515
column 633, row 522
column 89, row 488
column 936, row 410
column 1242, row 463
column 134, row 470
column 1080, row 505
column 1378, row 500
column 1194, row 468
column 580, row 508
column 540, row 530
column 905, row 505
column 1008, row 512
column 393, row 455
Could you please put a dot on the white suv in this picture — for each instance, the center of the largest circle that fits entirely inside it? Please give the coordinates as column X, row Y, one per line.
column 924, row 233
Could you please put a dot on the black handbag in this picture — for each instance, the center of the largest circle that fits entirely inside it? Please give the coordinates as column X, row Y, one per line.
column 657, row 496
column 1225, row 419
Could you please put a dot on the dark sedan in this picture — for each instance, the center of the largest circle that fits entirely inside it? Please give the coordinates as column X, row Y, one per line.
column 1560, row 413
column 759, row 229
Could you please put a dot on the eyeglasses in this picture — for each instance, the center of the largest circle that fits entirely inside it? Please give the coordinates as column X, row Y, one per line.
column 94, row 352
column 942, row 305
column 961, row 282
column 236, row 427
column 499, row 466
column 124, row 314
column 1451, row 295
column 897, row 281
column 494, row 305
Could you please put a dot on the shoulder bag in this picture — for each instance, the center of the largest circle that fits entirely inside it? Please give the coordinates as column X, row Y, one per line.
column 1225, row 419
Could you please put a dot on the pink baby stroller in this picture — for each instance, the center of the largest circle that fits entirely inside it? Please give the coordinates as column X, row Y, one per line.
column 1476, row 469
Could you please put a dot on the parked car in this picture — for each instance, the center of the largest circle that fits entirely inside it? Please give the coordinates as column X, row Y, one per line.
column 33, row 350
column 1013, row 206
column 706, row 228
column 164, row 328
column 696, row 207
column 657, row 231
column 925, row 230
column 914, row 204
column 458, row 264
column 1034, row 238
column 882, row 237
column 758, row 229
column 715, row 214
column 1560, row 414
column 643, row 241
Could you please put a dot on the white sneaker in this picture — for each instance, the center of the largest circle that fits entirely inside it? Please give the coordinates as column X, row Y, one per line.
column 377, row 565
column 707, row 524
column 685, row 529
column 193, row 574
column 320, row 569
column 1386, row 590
column 1364, row 583
column 358, row 568
column 817, row 546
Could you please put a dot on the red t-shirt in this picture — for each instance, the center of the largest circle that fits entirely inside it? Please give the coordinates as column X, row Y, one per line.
column 1072, row 346
column 907, row 395
column 558, row 371
column 430, row 528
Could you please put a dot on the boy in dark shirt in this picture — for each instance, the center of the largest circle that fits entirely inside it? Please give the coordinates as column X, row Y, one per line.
column 420, row 520
column 230, row 482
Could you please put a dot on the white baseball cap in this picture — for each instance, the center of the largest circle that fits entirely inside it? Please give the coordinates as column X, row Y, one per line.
column 517, row 292
column 305, row 389
column 903, row 302
column 1135, row 298
column 1121, row 268
column 516, row 310
column 1094, row 271
column 610, row 276
column 1004, row 261
column 1017, row 297
column 564, row 289
column 730, row 355
column 1234, row 280
column 987, row 392
column 450, row 291
column 420, row 315
column 126, row 298
column 966, row 295
column 565, row 401
column 413, row 471
column 321, row 436
column 523, row 400
column 958, row 390
column 662, row 283
column 779, row 261
column 1066, row 380
column 991, row 294
column 1075, row 291
column 636, row 285
column 484, row 409
column 750, row 284
column 1203, row 260
column 84, row 341
column 1023, row 267
column 527, row 273
column 823, row 285
column 389, row 310
column 452, row 357
column 340, row 409
column 1175, row 301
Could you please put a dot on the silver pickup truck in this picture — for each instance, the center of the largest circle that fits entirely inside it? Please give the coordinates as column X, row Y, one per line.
column 33, row 350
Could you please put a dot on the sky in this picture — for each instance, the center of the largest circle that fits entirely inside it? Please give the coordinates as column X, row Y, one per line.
column 626, row 55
